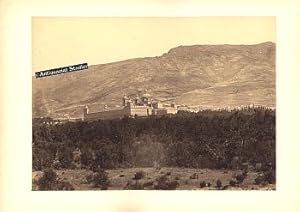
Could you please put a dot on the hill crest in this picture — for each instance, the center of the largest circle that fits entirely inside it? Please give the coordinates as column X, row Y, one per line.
column 207, row 75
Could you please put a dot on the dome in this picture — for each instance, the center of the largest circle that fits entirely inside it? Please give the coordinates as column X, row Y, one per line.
column 146, row 95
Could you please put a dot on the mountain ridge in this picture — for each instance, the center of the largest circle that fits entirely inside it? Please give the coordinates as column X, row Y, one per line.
column 217, row 75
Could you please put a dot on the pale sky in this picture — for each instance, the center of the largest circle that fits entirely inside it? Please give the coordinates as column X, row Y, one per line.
column 58, row 42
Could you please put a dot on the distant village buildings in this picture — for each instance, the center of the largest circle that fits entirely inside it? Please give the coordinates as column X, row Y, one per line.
column 143, row 105
column 133, row 106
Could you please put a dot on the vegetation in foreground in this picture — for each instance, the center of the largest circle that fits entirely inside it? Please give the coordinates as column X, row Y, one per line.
column 154, row 179
column 216, row 140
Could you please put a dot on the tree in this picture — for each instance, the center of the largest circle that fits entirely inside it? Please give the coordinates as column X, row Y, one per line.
column 101, row 179
column 48, row 181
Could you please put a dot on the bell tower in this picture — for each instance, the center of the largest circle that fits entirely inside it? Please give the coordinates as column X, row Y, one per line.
column 126, row 99
column 85, row 112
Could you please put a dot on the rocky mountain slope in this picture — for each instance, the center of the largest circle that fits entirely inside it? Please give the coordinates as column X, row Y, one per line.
column 206, row 75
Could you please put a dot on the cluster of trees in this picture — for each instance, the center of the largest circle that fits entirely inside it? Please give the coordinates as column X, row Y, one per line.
column 207, row 139
column 50, row 181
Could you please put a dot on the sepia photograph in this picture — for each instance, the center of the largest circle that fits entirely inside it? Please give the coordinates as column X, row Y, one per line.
column 154, row 103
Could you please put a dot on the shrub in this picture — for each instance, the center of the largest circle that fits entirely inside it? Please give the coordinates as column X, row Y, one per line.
column 83, row 180
column 168, row 173
column 121, row 175
column 134, row 186
column 240, row 178
column 177, row 178
column 267, row 177
column 89, row 178
column 173, row 185
column 202, row 184
column 225, row 187
column 270, row 176
column 94, row 167
column 127, row 185
column 137, row 186
column 232, row 182
column 218, row 184
column 148, row 184
column 194, row 176
column 65, row 186
column 101, row 180
column 48, row 181
column 164, row 183
column 139, row 175
column 259, row 180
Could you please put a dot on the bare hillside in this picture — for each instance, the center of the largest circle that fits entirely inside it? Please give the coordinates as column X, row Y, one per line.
column 208, row 75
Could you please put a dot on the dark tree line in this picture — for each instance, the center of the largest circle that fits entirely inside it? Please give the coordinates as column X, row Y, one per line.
column 207, row 139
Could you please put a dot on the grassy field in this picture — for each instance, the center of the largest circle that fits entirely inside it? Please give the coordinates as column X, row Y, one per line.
column 188, row 179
